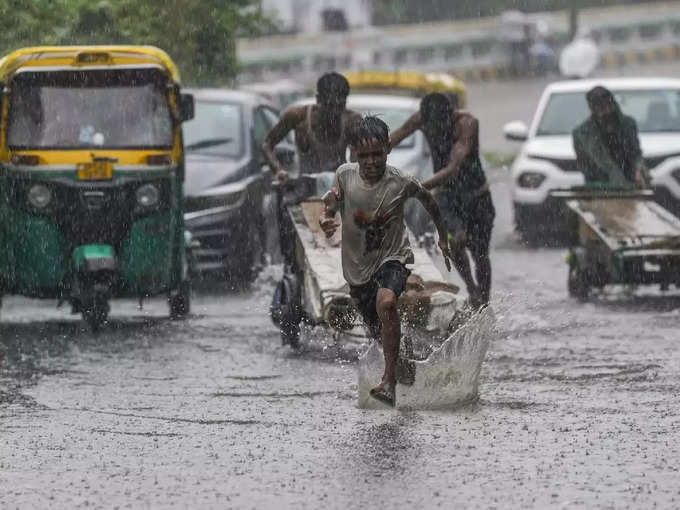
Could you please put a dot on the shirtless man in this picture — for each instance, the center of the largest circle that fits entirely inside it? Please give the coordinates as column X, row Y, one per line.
column 370, row 197
column 320, row 129
column 321, row 139
column 460, row 186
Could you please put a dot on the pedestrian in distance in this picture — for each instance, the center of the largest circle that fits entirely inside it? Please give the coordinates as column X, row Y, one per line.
column 459, row 184
column 369, row 196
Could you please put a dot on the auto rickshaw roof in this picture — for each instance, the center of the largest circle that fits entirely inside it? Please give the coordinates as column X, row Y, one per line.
column 79, row 57
column 409, row 82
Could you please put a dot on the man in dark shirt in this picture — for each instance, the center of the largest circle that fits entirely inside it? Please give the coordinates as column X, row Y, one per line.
column 459, row 184
column 606, row 144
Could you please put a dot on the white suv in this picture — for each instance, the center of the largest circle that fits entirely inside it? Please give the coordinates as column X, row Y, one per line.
column 547, row 160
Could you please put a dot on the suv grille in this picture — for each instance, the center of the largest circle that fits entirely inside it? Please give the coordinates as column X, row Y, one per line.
column 569, row 165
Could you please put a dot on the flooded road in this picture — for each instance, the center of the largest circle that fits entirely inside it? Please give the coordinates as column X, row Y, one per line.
column 579, row 407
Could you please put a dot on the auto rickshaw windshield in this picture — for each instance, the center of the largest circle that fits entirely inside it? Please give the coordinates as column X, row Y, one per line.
column 75, row 109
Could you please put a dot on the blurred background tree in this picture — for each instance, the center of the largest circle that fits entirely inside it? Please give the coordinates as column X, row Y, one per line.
column 199, row 35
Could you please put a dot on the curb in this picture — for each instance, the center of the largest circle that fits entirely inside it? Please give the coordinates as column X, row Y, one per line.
column 616, row 59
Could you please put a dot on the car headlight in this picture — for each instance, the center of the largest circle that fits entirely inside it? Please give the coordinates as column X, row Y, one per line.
column 148, row 195
column 530, row 180
column 39, row 196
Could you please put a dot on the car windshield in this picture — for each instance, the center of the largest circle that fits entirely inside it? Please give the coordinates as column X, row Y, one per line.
column 654, row 111
column 216, row 129
column 394, row 118
column 117, row 108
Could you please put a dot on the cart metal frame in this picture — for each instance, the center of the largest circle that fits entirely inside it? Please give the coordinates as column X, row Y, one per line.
column 622, row 237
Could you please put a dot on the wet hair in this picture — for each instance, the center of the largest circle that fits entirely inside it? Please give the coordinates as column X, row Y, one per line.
column 368, row 128
column 600, row 96
column 453, row 99
column 435, row 107
column 332, row 84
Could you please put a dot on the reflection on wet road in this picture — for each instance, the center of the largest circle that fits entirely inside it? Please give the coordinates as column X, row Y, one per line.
column 579, row 403
column 579, row 407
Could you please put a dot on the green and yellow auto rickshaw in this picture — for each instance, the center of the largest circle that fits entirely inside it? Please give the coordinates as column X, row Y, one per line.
column 91, row 173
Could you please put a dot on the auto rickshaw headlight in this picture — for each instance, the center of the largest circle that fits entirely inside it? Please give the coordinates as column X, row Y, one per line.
column 148, row 195
column 39, row 196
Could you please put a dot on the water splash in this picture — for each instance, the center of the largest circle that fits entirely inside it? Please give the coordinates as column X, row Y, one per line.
column 447, row 378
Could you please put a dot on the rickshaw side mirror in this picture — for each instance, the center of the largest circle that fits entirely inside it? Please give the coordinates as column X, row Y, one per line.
column 187, row 107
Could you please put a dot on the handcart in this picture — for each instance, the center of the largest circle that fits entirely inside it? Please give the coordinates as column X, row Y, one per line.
column 313, row 291
column 624, row 237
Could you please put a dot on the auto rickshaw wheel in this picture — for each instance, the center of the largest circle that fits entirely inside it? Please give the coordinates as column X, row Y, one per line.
column 578, row 282
column 180, row 302
column 95, row 312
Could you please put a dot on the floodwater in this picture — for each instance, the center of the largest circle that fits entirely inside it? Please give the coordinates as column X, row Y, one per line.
column 579, row 406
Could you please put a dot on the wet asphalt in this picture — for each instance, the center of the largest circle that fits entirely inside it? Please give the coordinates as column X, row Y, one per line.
column 579, row 406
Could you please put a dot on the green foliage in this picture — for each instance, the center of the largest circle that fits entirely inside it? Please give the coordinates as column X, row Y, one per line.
column 199, row 35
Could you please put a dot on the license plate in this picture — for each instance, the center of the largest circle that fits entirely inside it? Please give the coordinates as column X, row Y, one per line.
column 95, row 171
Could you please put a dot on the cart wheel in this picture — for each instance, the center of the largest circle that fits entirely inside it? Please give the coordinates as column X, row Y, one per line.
column 577, row 283
column 96, row 312
column 290, row 334
column 180, row 303
column 287, row 310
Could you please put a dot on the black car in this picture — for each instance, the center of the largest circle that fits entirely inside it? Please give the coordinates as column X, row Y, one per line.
column 227, row 181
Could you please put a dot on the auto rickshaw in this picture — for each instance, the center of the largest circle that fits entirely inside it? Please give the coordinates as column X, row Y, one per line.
column 409, row 83
column 91, row 172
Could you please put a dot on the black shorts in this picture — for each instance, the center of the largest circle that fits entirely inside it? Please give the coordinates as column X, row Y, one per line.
column 391, row 275
column 475, row 220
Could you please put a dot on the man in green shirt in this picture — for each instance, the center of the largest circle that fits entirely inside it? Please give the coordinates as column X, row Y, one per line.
column 607, row 146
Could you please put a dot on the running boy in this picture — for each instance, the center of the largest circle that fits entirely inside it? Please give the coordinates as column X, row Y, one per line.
column 370, row 197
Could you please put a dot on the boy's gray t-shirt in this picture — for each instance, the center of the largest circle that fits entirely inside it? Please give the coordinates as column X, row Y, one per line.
column 373, row 229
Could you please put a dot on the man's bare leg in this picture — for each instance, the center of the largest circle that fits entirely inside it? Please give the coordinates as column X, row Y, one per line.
column 483, row 264
column 462, row 263
column 386, row 306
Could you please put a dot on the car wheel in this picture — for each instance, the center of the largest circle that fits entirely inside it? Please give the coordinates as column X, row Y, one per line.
column 246, row 266
column 531, row 237
column 527, row 231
